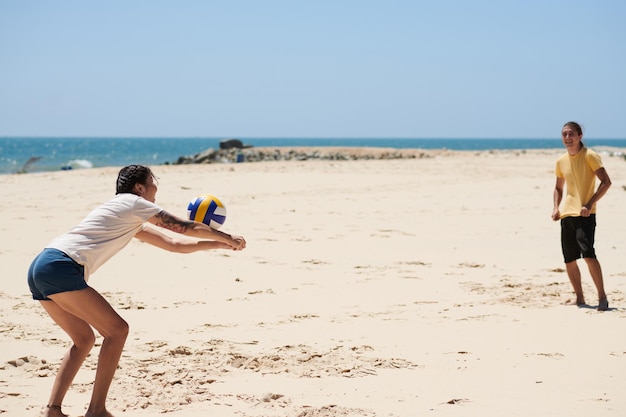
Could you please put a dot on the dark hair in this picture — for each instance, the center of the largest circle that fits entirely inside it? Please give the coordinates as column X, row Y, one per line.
column 577, row 127
column 131, row 175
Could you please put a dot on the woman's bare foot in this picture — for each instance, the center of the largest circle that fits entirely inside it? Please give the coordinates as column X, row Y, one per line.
column 54, row 411
column 105, row 413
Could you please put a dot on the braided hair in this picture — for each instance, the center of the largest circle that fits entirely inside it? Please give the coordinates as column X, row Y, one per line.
column 131, row 175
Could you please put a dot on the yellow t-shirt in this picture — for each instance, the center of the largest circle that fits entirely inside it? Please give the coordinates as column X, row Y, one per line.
column 579, row 172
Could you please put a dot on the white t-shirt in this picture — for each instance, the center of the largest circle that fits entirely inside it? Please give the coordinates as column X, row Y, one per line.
column 105, row 231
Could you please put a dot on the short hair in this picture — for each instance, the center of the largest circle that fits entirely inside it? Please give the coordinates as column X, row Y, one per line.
column 131, row 175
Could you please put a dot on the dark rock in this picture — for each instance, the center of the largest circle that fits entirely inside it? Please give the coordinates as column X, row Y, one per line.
column 233, row 144
column 234, row 155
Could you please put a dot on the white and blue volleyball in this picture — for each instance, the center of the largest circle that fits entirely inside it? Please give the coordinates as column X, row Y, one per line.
column 207, row 209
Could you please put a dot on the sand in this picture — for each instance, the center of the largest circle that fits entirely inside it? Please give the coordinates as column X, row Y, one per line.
column 415, row 287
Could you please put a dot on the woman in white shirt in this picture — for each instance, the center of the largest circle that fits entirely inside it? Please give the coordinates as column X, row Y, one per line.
column 58, row 276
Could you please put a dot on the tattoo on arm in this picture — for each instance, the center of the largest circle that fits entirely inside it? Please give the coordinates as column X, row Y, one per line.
column 173, row 223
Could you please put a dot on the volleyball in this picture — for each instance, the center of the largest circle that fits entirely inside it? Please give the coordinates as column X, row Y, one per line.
column 207, row 209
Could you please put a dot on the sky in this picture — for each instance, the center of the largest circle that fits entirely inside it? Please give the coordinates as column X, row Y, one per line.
column 312, row 69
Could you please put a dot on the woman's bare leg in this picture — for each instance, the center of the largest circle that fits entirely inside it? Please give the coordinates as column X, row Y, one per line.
column 91, row 307
column 83, row 338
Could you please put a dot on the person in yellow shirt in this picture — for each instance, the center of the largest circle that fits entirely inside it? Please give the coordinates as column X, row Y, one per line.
column 577, row 170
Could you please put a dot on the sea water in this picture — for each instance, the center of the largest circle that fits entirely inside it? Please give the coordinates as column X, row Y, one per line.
column 53, row 153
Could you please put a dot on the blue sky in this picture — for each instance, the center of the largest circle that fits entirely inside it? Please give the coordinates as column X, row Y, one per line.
column 318, row 68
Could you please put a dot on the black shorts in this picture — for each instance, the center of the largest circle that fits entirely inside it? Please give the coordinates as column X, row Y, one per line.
column 53, row 272
column 577, row 237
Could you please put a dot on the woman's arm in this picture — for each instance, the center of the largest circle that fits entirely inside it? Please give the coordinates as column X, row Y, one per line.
column 195, row 229
column 161, row 240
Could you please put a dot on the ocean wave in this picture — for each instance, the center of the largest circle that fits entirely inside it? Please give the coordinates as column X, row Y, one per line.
column 78, row 164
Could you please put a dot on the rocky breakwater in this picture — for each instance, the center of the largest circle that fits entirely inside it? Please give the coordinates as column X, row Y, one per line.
column 213, row 156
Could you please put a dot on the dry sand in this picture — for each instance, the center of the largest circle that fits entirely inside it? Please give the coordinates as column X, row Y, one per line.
column 416, row 287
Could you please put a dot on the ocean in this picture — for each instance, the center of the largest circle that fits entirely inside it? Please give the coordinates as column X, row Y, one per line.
column 76, row 153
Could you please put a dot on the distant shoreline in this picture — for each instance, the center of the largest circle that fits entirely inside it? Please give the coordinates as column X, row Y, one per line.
column 65, row 153
column 335, row 153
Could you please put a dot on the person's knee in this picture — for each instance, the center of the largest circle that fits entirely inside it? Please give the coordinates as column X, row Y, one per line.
column 121, row 329
column 85, row 340
column 591, row 260
column 118, row 330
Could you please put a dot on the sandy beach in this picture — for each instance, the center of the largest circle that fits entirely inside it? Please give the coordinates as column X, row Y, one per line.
column 431, row 286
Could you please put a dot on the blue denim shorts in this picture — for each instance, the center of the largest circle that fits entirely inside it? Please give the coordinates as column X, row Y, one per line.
column 53, row 272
